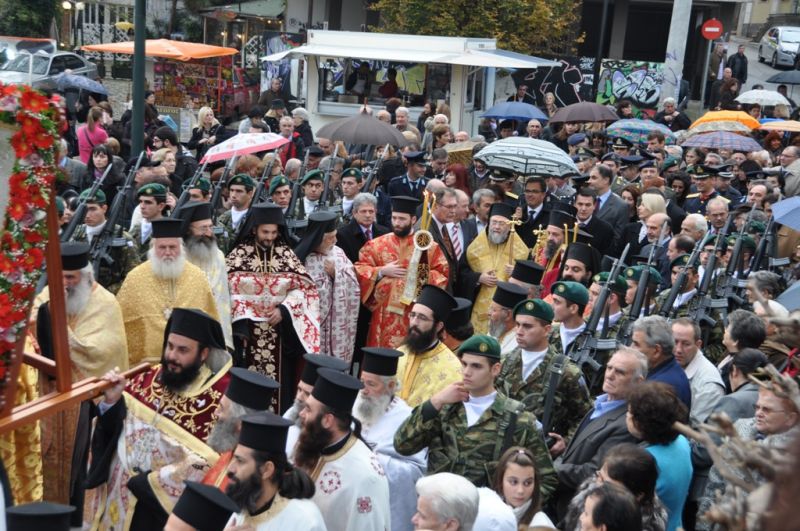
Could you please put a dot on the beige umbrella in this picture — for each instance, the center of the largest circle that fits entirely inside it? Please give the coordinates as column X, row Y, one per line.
column 782, row 125
column 719, row 125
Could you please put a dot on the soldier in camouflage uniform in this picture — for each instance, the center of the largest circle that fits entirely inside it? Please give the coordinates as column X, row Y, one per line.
column 122, row 251
column 152, row 202
column 240, row 193
column 713, row 349
column 468, row 425
column 525, row 374
column 569, row 303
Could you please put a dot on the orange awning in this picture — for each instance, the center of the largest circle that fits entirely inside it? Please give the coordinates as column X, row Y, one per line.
column 182, row 51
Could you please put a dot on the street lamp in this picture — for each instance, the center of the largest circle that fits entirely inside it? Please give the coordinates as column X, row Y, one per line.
column 68, row 5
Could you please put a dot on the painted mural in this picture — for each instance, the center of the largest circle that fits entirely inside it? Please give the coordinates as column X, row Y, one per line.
column 637, row 81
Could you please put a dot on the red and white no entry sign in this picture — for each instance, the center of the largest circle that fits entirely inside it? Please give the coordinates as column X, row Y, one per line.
column 711, row 29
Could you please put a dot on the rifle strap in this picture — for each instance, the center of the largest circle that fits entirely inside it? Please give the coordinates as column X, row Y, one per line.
column 553, row 379
column 507, row 425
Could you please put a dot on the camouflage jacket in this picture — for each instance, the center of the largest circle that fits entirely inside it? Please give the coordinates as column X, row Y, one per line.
column 713, row 347
column 123, row 253
column 225, row 232
column 473, row 451
column 571, row 400
column 140, row 247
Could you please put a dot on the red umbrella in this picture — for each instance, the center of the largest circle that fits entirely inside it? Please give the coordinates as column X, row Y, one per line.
column 244, row 143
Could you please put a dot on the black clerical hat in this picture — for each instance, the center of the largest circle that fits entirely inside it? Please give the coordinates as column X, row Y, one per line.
column 319, row 223
column 204, row 507
column 251, row 389
column 74, row 256
column 584, row 253
column 167, row 228
column 405, row 204
column 380, row 361
column 265, row 432
column 197, row 325
column 336, row 390
column 559, row 218
column 315, row 362
column 584, row 237
column 564, row 206
column 265, row 214
column 528, row 271
column 509, row 295
column 438, row 300
column 501, row 209
column 193, row 211
column 39, row 516
column 460, row 315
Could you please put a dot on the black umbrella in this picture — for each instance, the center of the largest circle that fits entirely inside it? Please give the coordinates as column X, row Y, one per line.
column 585, row 111
column 362, row 129
column 787, row 77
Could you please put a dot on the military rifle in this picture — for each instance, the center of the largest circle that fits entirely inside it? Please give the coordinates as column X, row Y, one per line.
column 262, row 183
column 729, row 284
column 764, row 257
column 666, row 310
column 80, row 212
column 701, row 311
column 374, row 170
column 216, row 197
column 191, row 183
column 292, row 223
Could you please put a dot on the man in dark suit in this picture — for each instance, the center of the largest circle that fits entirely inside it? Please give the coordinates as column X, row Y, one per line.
column 601, row 429
column 535, row 214
column 602, row 233
column 453, row 240
column 611, row 208
column 413, row 183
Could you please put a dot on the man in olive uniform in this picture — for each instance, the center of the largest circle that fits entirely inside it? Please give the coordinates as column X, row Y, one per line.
column 122, row 250
column 569, row 303
column 613, row 317
column 530, row 370
column 201, row 191
column 685, row 301
column 240, row 194
column 633, row 276
column 351, row 186
column 152, row 200
column 696, row 203
column 313, row 184
column 469, row 424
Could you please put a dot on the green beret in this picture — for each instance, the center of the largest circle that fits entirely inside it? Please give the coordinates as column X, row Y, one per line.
column 153, row 189
column 535, row 308
column 202, row 184
column 747, row 241
column 572, row 291
column 242, row 179
column 669, row 162
column 617, row 286
column 634, row 273
column 680, row 261
column 313, row 175
column 756, row 227
column 99, row 197
column 277, row 182
column 480, row 345
column 353, row 172
column 60, row 206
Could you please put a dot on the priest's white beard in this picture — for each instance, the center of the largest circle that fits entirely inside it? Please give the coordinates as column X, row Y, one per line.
column 201, row 250
column 498, row 238
column 167, row 268
column 78, row 296
column 293, row 414
column 369, row 409
column 496, row 330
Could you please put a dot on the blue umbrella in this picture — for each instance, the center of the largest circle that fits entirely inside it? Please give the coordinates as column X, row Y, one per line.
column 65, row 81
column 515, row 110
column 636, row 131
column 790, row 299
column 787, row 212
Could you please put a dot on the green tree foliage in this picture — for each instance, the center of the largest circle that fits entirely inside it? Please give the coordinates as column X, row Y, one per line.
column 27, row 18
column 526, row 26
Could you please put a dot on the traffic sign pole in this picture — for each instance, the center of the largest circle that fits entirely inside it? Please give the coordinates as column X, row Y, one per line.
column 710, row 30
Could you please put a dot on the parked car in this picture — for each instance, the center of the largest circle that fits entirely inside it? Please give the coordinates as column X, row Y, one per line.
column 779, row 46
column 45, row 68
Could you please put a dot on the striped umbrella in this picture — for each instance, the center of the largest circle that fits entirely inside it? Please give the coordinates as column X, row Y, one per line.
column 720, row 125
column 781, row 125
column 723, row 140
column 635, row 130
column 731, row 116
column 527, row 156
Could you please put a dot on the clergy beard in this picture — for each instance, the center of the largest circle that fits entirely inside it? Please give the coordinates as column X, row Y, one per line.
column 245, row 493
column 498, row 238
column 496, row 330
column 312, row 440
column 79, row 295
column 224, row 435
column 176, row 381
column 550, row 249
column 167, row 268
column 293, row 413
column 402, row 233
column 368, row 409
column 417, row 340
column 201, row 250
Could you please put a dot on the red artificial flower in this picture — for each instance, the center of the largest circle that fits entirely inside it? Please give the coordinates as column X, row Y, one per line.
column 33, row 259
column 21, row 292
column 33, row 101
column 20, row 145
column 32, row 236
column 6, row 265
column 17, row 210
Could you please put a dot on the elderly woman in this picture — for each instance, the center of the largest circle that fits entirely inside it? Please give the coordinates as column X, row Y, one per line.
column 672, row 117
column 301, row 125
column 653, row 408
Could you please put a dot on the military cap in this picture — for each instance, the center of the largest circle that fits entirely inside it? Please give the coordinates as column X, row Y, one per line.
column 508, row 295
column 634, row 273
column 480, row 345
column 572, row 291
column 580, row 180
column 415, row 156
column 265, row 214
column 617, row 286
column 405, row 204
column 167, row 228
column 528, row 271
column 725, row 175
column 74, row 256
column 251, row 389
column 500, row 174
column 153, row 190
column 611, row 156
column 756, row 227
column 576, row 138
column 314, row 175
column 39, row 516
column 202, row 184
column 460, row 315
column 353, row 172
column 438, row 300
column 60, row 205
column 670, row 162
column 680, row 261
column 335, row 389
column 631, row 160
column 501, row 209
column 647, row 164
column 315, row 151
column 314, row 362
column 380, row 361
column 99, row 196
column 619, row 142
column 747, row 241
column 265, row 431
column 242, row 179
column 712, row 241
column 195, row 324
column 535, row 308
column 204, row 507
column 277, row 182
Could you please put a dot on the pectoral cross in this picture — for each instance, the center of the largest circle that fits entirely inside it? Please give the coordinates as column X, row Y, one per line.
column 513, row 222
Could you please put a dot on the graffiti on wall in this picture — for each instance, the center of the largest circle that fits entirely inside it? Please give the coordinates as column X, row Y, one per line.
column 637, row 81
column 571, row 82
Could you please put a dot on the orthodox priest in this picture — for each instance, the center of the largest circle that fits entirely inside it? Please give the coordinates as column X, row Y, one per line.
column 492, row 254
column 152, row 436
column 150, row 292
column 275, row 303
column 392, row 269
column 202, row 250
column 335, row 277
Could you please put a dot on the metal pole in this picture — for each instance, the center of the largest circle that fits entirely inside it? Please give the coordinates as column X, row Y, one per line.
column 676, row 49
column 140, row 32
column 704, row 81
column 598, row 57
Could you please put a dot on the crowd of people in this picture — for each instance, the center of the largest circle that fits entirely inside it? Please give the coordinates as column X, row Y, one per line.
column 342, row 338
